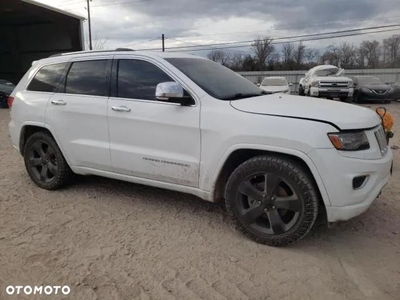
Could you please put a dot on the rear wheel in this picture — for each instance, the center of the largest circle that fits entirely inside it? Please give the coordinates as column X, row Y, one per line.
column 301, row 91
column 45, row 163
column 272, row 200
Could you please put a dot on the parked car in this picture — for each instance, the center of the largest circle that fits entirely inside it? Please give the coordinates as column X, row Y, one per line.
column 6, row 87
column 188, row 124
column 275, row 85
column 326, row 81
column 396, row 90
column 370, row 88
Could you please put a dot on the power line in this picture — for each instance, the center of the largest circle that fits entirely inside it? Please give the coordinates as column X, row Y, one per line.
column 121, row 3
column 285, row 38
column 292, row 41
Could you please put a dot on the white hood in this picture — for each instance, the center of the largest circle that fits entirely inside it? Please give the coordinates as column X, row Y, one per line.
column 342, row 115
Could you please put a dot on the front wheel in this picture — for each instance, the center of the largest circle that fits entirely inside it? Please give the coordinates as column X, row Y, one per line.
column 272, row 200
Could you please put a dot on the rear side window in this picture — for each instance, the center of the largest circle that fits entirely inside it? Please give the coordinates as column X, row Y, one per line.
column 88, row 78
column 138, row 79
column 47, row 79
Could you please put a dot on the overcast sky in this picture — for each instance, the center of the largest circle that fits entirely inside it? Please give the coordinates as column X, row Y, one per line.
column 132, row 23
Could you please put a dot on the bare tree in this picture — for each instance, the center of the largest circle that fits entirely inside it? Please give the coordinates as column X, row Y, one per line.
column 236, row 61
column 347, row 54
column 262, row 48
column 372, row 52
column 311, row 56
column 391, row 51
column 219, row 56
column 98, row 42
column 299, row 54
column 287, row 55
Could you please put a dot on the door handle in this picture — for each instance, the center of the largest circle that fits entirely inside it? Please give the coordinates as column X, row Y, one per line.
column 58, row 102
column 121, row 108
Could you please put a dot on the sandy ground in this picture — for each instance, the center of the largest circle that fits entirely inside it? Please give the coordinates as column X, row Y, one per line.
column 114, row 240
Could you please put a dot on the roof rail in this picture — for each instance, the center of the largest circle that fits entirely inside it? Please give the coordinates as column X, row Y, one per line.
column 90, row 51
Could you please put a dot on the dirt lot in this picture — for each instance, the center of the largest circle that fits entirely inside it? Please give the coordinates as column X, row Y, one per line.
column 114, row 240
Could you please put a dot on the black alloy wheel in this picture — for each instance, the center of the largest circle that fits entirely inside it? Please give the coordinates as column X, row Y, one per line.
column 267, row 203
column 42, row 161
column 273, row 200
column 45, row 163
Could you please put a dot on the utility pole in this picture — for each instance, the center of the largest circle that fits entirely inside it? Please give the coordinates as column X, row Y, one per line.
column 163, row 44
column 90, row 25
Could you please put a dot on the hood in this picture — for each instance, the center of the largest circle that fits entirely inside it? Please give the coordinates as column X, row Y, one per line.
column 376, row 87
column 341, row 115
column 331, row 78
column 271, row 88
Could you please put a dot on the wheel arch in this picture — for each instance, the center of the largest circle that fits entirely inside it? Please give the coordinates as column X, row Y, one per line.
column 30, row 128
column 239, row 155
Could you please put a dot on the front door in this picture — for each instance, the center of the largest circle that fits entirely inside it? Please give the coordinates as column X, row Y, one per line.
column 151, row 139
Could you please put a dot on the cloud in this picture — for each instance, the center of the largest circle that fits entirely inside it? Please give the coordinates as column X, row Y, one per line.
column 211, row 21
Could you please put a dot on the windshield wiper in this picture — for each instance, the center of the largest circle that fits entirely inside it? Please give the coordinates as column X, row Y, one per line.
column 242, row 96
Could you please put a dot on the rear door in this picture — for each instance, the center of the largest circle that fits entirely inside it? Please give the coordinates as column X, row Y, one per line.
column 77, row 114
column 149, row 138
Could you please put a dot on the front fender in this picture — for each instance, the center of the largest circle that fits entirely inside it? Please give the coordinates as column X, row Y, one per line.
column 210, row 185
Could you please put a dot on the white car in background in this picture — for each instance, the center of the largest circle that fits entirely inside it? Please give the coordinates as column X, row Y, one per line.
column 326, row 81
column 274, row 85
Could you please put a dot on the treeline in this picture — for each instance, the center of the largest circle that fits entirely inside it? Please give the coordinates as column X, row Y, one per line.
column 296, row 56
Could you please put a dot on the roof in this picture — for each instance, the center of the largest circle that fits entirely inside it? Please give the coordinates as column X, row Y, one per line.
column 52, row 8
column 323, row 67
column 78, row 54
column 275, row 77
column 127, row 51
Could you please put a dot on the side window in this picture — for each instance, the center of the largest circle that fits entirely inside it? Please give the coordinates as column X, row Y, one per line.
column 138, row 79
column 88, row 78
column 47, row 79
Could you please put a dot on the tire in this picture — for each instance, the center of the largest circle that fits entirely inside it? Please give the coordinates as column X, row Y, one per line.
column 292, row 219
column 356, row 98
column 301, row 91
column 344, row 99
column 41, row 151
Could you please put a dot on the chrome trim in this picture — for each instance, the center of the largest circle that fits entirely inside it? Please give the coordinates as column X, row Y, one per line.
column 381, row 139
column 58, row 102
column 121, row 108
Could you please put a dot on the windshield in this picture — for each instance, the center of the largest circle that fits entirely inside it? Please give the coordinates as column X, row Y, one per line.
column 370, row 80
column 217, row 80
column 274, row 82
column 327, row 72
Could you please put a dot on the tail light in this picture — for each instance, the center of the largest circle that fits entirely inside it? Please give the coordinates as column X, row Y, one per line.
column 10, row 101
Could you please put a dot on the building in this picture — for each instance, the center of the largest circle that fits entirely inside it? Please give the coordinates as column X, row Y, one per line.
column 30, row 31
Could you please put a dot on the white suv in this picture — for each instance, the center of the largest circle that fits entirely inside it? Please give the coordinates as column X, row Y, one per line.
column 188, row 124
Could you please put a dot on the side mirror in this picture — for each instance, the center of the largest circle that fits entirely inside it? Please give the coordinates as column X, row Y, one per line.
column 290, row 84
column 172, row 91
column 167, row 90
column 258, row 84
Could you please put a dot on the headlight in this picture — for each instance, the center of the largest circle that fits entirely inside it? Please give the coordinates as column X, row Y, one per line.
column 366, row 90
column 314, row 83
column 351, row 84
column 349, row 141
